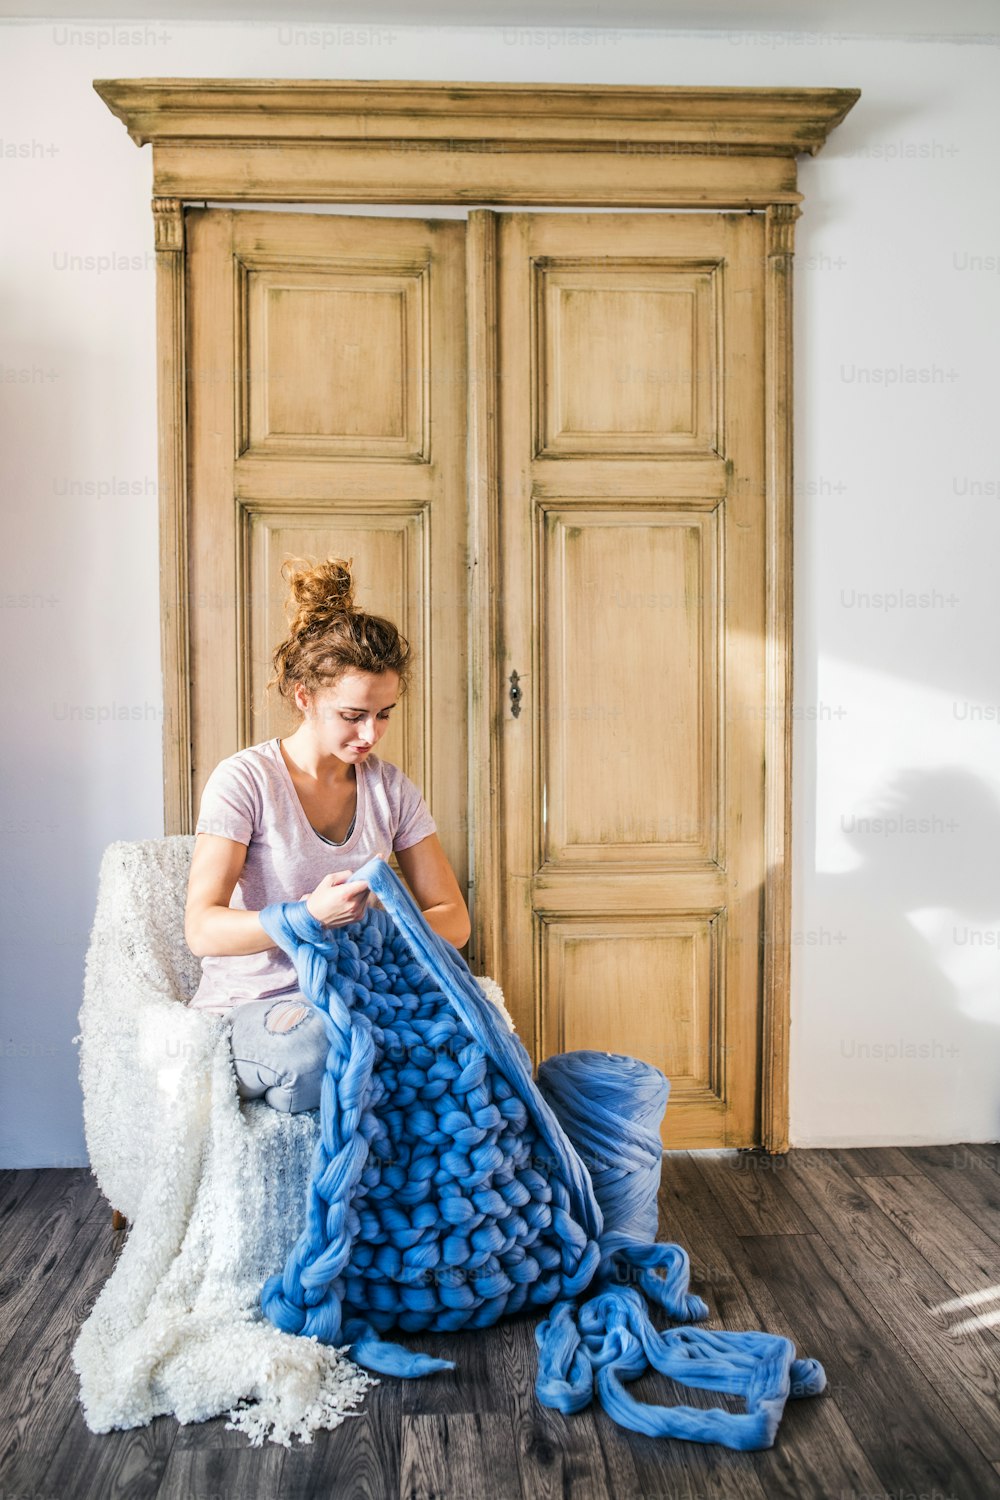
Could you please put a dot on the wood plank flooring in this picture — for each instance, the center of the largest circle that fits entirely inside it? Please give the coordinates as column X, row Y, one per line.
column 883, row 1263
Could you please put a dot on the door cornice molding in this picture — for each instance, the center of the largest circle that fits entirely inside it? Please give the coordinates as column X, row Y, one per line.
column 392, row 141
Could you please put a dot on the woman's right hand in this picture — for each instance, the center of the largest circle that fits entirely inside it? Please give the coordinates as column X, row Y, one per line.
column 335, row 904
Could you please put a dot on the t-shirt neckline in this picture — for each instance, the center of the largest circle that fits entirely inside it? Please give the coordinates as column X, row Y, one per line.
column 360, row 782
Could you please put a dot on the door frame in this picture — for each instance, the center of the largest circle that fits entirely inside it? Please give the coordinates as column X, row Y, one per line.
column 376, row 142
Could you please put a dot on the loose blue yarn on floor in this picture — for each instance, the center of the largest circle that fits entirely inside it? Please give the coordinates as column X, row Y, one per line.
column 448, row 1190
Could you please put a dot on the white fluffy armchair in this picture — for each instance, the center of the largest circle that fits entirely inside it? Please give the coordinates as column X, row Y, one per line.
column 213, row 1187
column 136, row 1030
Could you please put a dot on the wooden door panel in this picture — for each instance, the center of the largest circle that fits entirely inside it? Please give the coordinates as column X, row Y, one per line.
column 359, row 335
column 594, row 967
column 325, row 418
column 626, row 358
column 632, row 530
column 630, row 741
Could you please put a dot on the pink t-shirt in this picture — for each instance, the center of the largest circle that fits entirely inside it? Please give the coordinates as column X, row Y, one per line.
column 251, row 798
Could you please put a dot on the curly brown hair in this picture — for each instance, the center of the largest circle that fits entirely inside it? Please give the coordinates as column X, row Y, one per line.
column 328, row 636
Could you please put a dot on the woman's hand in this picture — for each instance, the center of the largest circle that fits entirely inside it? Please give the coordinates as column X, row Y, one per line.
column 335, row 904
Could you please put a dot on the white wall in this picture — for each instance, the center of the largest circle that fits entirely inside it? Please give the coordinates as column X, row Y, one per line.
column 896, row 1021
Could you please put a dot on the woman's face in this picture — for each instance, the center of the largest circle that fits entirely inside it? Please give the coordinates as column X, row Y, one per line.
column 349, row 718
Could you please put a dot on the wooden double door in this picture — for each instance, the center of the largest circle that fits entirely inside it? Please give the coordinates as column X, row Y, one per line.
column 615, row 366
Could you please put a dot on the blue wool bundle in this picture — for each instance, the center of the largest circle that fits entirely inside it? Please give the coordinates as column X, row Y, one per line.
column 611, row 1108
column 447, row 1191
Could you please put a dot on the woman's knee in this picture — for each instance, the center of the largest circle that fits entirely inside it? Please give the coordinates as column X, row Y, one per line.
column 280, row 1050
column 285, row 1015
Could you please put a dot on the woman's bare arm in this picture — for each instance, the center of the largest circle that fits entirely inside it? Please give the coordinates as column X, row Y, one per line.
column 211, row 925
column 430, row 877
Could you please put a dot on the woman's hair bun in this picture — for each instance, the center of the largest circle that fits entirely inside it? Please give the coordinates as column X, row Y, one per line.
column 320, row 593
column 328, row 635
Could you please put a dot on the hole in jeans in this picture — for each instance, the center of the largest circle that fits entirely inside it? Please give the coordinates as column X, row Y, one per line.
column 285, row 1015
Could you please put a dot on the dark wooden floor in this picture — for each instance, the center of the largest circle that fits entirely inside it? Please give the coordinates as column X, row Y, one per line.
column 882, row 1263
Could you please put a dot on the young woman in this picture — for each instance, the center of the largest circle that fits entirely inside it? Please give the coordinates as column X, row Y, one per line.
column 288, row 819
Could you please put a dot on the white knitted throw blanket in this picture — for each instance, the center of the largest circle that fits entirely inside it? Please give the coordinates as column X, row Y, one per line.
column 214, row 1190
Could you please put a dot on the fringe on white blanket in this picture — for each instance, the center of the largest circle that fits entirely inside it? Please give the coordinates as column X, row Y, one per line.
column 214, row 1190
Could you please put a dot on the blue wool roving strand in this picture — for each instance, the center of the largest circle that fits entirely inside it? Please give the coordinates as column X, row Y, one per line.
column 448, row 1190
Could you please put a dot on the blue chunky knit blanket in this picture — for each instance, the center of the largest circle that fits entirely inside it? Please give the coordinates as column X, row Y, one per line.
column 446, row 1193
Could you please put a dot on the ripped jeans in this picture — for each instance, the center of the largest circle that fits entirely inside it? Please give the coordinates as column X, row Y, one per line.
column 279, row 1052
